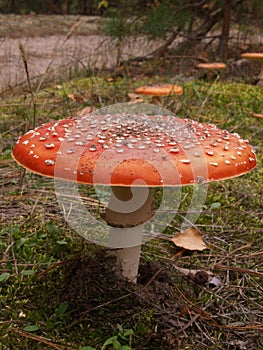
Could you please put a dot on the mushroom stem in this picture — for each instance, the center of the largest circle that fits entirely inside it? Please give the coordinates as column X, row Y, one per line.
column 256, row 56
column 157, row 100
column 129, row 206
column 127, row 260
column 128, row 209
column 260, row 76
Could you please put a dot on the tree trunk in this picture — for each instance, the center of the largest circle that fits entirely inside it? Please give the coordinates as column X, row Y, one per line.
column 223, row 43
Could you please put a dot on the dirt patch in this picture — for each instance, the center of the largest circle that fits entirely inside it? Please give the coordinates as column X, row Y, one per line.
column 96, row 293
column 20, row 26
column 52, row 53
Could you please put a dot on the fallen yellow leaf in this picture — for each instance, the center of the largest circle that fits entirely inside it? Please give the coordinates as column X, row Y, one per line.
column 189, row 239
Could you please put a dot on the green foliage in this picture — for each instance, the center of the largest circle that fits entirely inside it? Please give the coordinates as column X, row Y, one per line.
column 31, row 328
column 226, row 104
column 164, row 18
column 158, row 20
column 117, row 26
column 4, row 276
column 117, row 341
column 155, row 21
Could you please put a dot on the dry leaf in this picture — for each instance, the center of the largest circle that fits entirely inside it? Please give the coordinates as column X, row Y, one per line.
column 189, row 239
column 73, row 97
column 109, row 79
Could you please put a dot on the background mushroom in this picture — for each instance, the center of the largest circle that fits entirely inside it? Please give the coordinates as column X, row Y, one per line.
column 210, row 70
column 257, row 115
column 256, row 56
column 157, row 91
column 132, row 153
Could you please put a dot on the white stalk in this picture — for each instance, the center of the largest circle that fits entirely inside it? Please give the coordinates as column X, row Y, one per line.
column 128, row 209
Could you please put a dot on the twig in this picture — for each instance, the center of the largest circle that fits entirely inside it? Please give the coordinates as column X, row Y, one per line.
column 189, row 324
column 152, row 278
column 33, row 208
column 33, row 100
column 124, row 296
column 238, row 269
column 252, row 255
column 13, row 253
column 257, row 327
column 202, row 312
column 9, row 248
column 23, row 56
column 18, row 126
column 56, row 265
column 39, row 339
column 233, row 252
column 84, row 313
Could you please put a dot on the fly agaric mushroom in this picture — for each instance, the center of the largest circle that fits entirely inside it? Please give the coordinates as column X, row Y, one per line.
column 211, row 69
column 158, row 91
column 256, row 56
column 257, row 115
column 132, row 153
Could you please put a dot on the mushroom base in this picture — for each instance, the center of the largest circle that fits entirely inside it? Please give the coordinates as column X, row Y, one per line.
column 157, row 100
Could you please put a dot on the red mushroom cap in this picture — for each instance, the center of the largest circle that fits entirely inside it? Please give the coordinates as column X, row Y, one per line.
column 159, row 90
column 119, row 149
column 253, row 55
column 212, row 65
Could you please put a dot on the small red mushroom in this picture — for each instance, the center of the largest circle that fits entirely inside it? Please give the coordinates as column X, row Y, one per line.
column 256, row 56
column 211, row 69
column 157, row 91
column 132, row 153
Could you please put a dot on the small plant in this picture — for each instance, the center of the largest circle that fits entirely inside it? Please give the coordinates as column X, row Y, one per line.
column 123, row 336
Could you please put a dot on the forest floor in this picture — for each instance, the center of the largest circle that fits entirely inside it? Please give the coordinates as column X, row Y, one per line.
column 58, row 291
